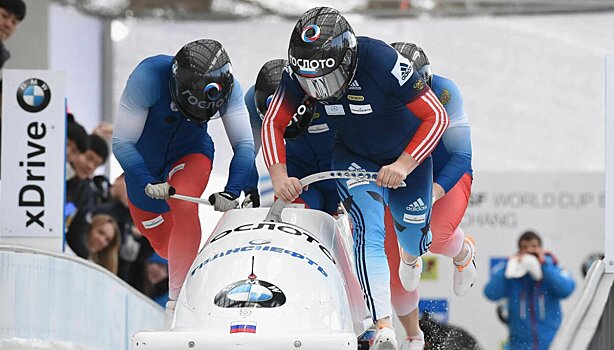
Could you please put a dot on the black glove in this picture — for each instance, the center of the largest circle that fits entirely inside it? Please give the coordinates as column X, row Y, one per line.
column 223, row 201
column 252, row 199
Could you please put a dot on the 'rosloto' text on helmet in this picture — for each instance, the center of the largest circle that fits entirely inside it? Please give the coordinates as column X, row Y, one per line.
column 323, row 53
column 201, row 80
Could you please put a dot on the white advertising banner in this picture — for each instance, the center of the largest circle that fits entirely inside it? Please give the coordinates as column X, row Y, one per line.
column 33, row 156
column 609, row 163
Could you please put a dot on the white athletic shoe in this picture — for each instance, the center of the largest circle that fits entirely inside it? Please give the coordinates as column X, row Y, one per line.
column 464, row 276
column 385, row 339
column 410, row 274
column 412, row 344
column 169, row 312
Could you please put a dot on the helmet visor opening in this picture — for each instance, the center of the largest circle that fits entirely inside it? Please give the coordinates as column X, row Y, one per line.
column 326, row 87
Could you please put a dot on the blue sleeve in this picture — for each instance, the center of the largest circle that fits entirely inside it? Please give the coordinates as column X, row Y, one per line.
column 236, row 123
column 394, row 72
column 559, row 282
column 497, row 286
column 256, row 123
column 457, row 138
column 250, row 103
column 141, row 92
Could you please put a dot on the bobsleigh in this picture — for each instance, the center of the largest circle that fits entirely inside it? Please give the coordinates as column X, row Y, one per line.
column 270, row 279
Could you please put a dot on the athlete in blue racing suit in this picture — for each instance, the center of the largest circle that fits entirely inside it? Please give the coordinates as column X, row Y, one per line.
column 308, row 142
column 387, row 120
column 161, row 142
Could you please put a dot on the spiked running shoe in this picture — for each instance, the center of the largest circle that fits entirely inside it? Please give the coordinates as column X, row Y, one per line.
column 465, row 275
column 385, row 339
column 410, row 274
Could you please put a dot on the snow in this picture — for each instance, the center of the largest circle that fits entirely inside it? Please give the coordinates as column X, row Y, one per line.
column 35, row 344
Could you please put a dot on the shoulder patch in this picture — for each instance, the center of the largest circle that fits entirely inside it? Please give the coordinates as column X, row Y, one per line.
column 445, row 97
column 419, row 85
column 402, row 69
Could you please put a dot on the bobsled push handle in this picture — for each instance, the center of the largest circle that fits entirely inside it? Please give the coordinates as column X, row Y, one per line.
column 198, row 200
column 278, row 206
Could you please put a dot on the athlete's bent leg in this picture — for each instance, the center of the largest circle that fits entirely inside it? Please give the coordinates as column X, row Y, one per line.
column 411, row 210
column 155, row 227
column 449, row 239
column 189, row 176
column 447, row 215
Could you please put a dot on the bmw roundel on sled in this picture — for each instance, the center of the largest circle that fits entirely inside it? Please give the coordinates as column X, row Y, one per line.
column 270, row 279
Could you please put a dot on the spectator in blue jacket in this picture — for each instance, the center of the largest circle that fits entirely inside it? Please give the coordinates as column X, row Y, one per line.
column 533, row 284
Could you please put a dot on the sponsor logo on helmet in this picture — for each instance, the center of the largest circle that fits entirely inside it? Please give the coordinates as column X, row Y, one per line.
column 419, row 85
column 356, row 98
column 194, row 101
column 310, row 33
column 213, row 91
column 309, row 67
column 445, row 97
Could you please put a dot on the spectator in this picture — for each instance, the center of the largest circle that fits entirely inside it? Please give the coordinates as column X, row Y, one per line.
column 135, row 248
column 104, row 130
column 12, row 12
column 92, row 158
column 156, row 284
column 77, row 142
column 103, row 242
column 83, row 192
column 533, row 284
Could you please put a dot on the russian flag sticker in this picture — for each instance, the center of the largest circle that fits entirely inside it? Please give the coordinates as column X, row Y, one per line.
column 242, row 327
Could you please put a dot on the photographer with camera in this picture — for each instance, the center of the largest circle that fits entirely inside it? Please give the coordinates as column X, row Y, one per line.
column 533, row 285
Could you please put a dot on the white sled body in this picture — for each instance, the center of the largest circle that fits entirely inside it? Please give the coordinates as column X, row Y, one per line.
column 264, row 285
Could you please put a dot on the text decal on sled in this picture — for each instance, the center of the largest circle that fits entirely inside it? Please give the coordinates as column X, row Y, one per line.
column 261, row 248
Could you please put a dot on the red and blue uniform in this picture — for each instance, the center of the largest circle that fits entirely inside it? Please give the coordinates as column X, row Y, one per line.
column 387, row 109
column 307, row 154
column 154, row 142
column 453, row 172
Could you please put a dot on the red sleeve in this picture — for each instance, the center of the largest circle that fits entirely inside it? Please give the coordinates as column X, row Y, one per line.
column 434, row 122
column 274, row 125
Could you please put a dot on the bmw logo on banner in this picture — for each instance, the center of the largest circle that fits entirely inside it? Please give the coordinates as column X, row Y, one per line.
column 250, row 293
column 33, row 95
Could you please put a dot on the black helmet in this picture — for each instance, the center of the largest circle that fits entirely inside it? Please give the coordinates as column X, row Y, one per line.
column 323, row 53
column 201, row 80
column 266, row 84
column 268, row 78
column 417, row 56
column 301, row 119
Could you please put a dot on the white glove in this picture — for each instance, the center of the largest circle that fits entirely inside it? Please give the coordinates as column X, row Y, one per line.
column 515, row 268
column 159, row 190
column 223, row 201
column 533, row 266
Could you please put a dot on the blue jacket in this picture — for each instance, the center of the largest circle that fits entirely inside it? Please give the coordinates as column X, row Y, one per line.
column 534, row 307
